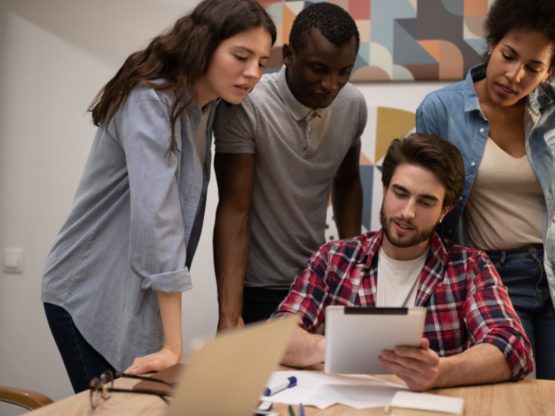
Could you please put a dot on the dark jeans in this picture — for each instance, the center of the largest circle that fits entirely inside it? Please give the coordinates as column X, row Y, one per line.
column 260, row 303
column 521, row 270
column 82, row 361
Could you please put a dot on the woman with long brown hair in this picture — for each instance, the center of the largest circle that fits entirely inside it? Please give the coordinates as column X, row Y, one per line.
column 113, row 280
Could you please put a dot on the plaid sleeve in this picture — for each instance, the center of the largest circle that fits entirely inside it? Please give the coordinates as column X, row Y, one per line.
column 491, row 318
column 308, row 294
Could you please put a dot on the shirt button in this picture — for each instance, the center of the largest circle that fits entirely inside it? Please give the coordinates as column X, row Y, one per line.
column 449, row 231
column 481, row 130
column 460, row 199
column 310, row 128
column 473, row 164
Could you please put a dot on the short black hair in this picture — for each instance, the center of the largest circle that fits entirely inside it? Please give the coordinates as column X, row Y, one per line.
column 432, row 153
column 525, row 15
column 336, row 25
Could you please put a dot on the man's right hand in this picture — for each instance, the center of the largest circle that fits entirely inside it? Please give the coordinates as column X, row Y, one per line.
column 226, row 322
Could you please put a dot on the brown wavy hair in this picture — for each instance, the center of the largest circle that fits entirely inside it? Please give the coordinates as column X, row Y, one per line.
column 180, row 57
column 432, row 153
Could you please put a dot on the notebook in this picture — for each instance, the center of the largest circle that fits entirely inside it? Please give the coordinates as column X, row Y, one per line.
column 420, row 404
column 227, row 375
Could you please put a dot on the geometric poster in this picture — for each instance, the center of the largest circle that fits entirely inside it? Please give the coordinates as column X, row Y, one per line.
column 384, row 124
column 400, row 40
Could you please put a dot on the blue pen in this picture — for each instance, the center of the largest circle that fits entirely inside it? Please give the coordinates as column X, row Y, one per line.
column 280, row 385
column 301, row 409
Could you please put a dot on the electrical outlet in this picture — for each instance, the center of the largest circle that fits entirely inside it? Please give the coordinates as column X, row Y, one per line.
column 13, row 260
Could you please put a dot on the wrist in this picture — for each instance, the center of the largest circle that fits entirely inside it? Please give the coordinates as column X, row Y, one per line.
column 442, row 372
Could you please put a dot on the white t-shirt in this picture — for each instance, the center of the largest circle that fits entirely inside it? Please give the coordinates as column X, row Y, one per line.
column 398, row 280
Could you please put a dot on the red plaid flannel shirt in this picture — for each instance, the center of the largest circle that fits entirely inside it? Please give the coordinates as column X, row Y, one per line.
column 460, row 287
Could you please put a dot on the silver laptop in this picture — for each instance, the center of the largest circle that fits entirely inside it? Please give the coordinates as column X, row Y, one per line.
column 226, row 376
column 356, row 337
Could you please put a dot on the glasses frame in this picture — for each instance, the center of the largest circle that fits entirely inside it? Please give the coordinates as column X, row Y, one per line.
column 102, row 387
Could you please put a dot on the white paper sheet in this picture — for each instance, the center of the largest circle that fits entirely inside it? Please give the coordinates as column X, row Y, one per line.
column 316, row 388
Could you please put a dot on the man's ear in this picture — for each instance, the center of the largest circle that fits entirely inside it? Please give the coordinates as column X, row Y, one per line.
column 288, row 54
column 445, row 211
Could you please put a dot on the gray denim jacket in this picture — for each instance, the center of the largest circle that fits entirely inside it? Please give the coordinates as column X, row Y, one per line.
column 454, row 114
column 133, row 228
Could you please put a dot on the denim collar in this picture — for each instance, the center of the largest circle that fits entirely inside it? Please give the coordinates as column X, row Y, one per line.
column 297, row 110
column 537, row 99
column 471, row 102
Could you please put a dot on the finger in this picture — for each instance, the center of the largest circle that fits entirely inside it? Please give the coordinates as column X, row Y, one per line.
column 135, row 367
column 427, row 367
column 241, row 323
column 425, row 343
column 425, row 355
column 399, row 370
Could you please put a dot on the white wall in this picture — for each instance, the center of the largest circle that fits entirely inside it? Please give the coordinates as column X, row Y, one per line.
column 54, row 58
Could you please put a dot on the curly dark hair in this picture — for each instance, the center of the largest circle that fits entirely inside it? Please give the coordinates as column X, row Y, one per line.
column 336, row 25
column 525, row 15
column 432, row 153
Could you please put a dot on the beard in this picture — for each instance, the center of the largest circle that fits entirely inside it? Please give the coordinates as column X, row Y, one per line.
column 400, row 242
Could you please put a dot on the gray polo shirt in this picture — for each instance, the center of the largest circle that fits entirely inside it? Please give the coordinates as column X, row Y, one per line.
column 297, row 153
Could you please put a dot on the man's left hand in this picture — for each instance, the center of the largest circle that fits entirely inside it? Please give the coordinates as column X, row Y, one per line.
column 418, row 367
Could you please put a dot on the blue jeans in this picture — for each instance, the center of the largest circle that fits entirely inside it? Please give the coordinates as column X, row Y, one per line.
column 82, row 361
column 521, row 270
column 260, row 303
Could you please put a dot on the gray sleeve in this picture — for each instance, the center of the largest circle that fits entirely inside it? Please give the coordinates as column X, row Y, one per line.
column 157, row 237
column 362, row 118
column 235, row 127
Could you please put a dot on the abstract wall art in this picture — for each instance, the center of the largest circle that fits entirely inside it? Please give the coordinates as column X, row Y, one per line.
column 401, row 40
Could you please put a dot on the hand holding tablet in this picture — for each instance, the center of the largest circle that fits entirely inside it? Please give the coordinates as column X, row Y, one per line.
column 357, row 337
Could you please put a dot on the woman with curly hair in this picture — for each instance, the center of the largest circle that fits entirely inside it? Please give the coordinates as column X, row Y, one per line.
column 113, row 280
column 502, row 119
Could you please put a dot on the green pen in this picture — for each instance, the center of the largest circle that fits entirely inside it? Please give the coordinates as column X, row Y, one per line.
column 291, row 411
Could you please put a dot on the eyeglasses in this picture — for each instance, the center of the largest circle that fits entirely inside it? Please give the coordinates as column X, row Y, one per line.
column 103, row 387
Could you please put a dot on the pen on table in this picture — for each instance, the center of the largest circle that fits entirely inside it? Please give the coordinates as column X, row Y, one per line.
column 291, row 411
column 280, row 385
column 301, row 410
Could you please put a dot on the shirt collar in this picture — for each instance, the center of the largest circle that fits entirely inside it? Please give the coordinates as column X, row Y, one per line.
column 297, row 110
column 476, row 73
column 538, row 99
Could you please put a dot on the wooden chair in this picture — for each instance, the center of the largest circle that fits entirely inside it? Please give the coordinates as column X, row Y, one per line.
column 25, row 398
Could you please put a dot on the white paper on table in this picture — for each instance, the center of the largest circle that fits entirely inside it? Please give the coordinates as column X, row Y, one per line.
column 316, row 388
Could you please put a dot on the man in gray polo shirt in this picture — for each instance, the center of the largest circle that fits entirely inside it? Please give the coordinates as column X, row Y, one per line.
column 292, row 140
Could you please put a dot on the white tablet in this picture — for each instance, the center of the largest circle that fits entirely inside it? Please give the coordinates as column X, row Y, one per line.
column 356, row 337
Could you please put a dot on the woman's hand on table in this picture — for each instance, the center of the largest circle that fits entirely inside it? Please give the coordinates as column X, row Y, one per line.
column 157, row 361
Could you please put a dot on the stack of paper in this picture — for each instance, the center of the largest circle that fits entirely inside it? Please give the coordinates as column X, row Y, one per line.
column 419, row 404
column 322, row 390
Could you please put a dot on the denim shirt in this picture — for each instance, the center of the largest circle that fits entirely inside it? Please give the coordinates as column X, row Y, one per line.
column 133, row 228
column 454, row 114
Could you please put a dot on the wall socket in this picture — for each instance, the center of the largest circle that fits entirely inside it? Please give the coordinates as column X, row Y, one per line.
column 13, row 260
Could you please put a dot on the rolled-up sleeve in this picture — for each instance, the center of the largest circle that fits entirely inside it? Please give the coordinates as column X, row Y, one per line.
column 308, row 295
column 491, row 318
column 157, row 250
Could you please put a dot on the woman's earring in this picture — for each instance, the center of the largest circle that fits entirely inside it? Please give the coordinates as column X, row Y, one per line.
column 441, row 219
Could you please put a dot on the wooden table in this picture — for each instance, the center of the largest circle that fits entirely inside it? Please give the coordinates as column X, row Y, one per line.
column 527, row 397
